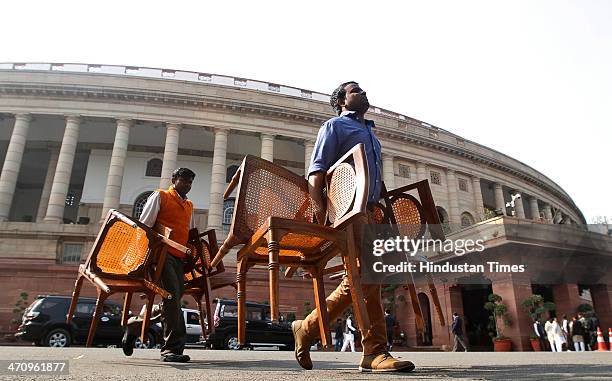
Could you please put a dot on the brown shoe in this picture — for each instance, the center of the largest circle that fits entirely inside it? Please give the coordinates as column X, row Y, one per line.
column 302, row 345
column 384, row 362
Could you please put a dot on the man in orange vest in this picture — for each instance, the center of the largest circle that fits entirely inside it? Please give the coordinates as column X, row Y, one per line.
column 172, row 209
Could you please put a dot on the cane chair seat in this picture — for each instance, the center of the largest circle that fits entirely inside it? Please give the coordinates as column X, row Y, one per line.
column 273, row 220
column 127, row 256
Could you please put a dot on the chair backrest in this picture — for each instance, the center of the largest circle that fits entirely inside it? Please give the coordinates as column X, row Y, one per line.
column 264, row 190
column 123, row 247
column 347, row 187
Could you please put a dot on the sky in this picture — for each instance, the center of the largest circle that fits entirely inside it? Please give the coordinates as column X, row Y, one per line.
column 531, row 79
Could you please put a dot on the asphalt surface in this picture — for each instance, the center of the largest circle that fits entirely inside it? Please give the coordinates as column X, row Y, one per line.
column 111, row 364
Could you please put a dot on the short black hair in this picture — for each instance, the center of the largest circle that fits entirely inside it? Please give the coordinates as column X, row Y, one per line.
column 339, row 93
column 184, row 173
column 388, row 311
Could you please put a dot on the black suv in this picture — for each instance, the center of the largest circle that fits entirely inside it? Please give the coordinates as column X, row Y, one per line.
column 260, row 331
column 44, row 323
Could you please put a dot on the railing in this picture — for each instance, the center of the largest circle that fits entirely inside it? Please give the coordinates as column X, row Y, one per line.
column 198, row 77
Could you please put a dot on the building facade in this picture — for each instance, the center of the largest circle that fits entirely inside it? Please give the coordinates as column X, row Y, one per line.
column 77, row 140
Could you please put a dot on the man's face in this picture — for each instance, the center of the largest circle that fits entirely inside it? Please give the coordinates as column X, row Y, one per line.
column 356, row 99
column 182, row 185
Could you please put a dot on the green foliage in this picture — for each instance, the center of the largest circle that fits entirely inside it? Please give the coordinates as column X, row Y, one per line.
column 307, row 309
column 499, row 313
column 585, row 309
column 20, row 306
column 535, row 306
column 290, row 317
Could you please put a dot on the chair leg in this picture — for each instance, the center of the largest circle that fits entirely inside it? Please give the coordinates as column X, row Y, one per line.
column 208, row 308
column 147, row 316
column 127, row 301
column 319, row 296
column 75, row 298
column 96, row 317
column 352, row 271
column 198, row 299
column 241, row 272
column 273, row 269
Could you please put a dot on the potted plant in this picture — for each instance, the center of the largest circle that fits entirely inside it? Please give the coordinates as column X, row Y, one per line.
column 535, row 306
column 499, row 314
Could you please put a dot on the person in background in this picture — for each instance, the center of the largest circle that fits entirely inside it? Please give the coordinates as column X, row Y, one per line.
column 349, row 335
column 390, row 322
column 457, row 329
column 566, row 335
column 577, row 331
column 338, row 335
column 540, row 333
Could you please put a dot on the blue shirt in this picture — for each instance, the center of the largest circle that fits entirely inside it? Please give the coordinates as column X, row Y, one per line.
column 337, row 136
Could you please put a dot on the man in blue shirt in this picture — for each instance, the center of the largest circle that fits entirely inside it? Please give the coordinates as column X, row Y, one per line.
column 336, row 137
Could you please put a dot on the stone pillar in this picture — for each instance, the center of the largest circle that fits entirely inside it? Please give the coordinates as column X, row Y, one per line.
column 421, row 171
column 114, row 180
column 61, row 179
column 602, row 303
column 519, row 210
column 267, row 147
column 46, row 191
column 388, row 171
column 547, row 214
column 514, row 289
column 308, row 148
column 173, row 132
column 567, row 299
column 478, row 203
column 535, row 210
column 12, row 163
column 499, row 198
column 217, row 181
column 453, row 200
column 558, row 217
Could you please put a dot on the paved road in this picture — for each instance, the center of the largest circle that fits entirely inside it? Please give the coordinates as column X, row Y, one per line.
column 111, row 364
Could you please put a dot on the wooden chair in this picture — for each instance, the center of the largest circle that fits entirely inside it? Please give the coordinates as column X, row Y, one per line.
column 127, row 256
column 273, row 219
column 411, row 217
column 201, row 279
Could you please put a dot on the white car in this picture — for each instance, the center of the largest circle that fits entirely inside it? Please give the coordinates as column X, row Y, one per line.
column 192, row 325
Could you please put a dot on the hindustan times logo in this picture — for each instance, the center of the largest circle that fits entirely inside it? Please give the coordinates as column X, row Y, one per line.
column 400, row 244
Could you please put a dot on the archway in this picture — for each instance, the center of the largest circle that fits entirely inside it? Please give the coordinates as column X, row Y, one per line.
column 140, row 202
column 425, row 338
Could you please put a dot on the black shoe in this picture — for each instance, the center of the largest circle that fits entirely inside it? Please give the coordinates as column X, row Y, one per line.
column 127, row 343
column 173, row 357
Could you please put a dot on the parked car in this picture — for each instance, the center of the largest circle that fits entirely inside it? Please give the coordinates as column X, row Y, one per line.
column 260, row 331
column 44, row 323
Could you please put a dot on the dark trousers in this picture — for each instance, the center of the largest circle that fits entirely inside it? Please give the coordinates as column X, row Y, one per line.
column 172, row 319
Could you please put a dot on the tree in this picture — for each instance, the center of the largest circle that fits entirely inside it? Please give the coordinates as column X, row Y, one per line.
column 535, row 306
column 499, row 313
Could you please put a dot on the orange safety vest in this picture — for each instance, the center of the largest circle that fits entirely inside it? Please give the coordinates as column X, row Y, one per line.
column 175, row 213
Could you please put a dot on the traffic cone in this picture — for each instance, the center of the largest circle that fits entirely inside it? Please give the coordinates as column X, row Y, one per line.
column 610, row 338
column 601, row 344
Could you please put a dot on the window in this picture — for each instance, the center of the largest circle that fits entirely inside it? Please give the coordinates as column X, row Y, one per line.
column 435, row 178
column 463, row 186
column 230, row 172
column 70, row 199
column 466, row 220
column 229, row 311
column 404, row 171
column 193, row 318
column 85, row 308
column 72, row 253
column 154, row 168
column 140, row 203
column 228, row 213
